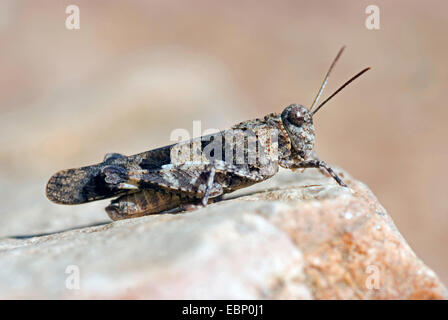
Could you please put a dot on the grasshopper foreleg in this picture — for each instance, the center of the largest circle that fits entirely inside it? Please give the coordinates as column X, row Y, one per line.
column 323, row 165
column 317, row 164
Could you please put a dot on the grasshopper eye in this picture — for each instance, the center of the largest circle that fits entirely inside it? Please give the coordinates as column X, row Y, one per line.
column 295, row 115
column 296, row 118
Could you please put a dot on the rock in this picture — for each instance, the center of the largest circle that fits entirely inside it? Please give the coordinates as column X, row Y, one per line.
column 296, row 236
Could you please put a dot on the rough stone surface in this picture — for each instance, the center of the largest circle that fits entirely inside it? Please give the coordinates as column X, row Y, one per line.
column 296, row 236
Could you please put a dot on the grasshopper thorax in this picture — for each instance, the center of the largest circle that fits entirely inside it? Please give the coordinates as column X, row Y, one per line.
column 298, row 123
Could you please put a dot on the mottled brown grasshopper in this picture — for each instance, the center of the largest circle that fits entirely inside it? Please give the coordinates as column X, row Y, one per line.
column 195, row 171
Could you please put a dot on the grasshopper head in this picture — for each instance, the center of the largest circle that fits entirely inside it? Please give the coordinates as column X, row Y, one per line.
column 298, row 123
column 298, row 120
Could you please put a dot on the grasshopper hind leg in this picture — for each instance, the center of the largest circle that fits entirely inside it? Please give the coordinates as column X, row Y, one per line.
column 145, row 202
column 113, row 156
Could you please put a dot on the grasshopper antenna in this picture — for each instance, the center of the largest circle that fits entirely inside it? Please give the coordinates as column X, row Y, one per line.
column 324, row 83
column 342, row 87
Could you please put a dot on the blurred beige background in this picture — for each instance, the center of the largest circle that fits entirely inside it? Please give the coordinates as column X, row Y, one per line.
column 136, row 70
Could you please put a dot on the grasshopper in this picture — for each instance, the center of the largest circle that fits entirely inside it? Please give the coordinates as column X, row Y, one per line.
column 200, row 170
